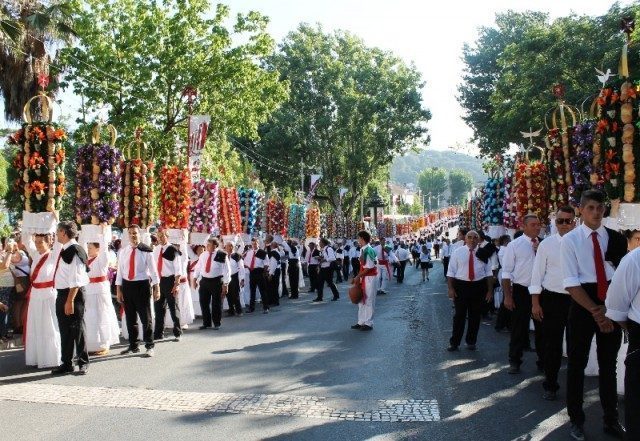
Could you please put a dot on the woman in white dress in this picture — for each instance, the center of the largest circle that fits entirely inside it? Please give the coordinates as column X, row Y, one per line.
column 42, row 345
column 100, row 319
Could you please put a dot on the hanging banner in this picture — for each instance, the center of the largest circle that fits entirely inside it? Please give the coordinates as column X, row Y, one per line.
column 198, row 126
column 315, row 180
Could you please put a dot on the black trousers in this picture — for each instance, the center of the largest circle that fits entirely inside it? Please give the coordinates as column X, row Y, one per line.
column 313, row 277
column 355, row 264
column 137, row 298
column 555, row 310
column 402, row 266
column 160, row 306
column 257, row 279
column 272, row 298
column 520, row 321
column 294, row 278
column 338, row 270
column 283, row 274
column 210, row 294
column 326, row 276
column 468, row 306
column 416, row 259
column 581, row 328
column 632, row 383
column 346, row 264
column 72, row 329
column 445, row 264
column 233, row 295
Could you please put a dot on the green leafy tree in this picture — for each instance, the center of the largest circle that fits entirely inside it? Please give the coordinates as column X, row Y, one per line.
column 29, row 30
column 138, row 56
column 352, row 108
column 512, row 68
column 433, row 181
column 460, row 183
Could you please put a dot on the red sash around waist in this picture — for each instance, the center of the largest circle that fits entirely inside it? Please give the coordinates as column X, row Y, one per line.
column 41, row 285
column 98, row 279
column 369, row 272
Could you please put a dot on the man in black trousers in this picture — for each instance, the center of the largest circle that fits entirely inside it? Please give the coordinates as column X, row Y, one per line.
column 255, row 261
column 215, row 272
column 137, row 274
column 623, row 307
column 293, row 267
column 70, row 278
column 590, row 254
column 313, row 267
column 167, row 258
column 517, row 265
column 470, row 284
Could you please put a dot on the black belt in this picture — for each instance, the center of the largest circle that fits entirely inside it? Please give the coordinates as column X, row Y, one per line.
column 211, row 278
column 293, row 260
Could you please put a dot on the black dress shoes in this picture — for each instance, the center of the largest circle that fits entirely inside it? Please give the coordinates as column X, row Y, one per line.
column 452, row 348
column 576, row 432
column 130, row 351
column 356, row 326
column 615, row 430
column 62, row 370
column 317, row 300
column 366, row 328
column 335, row 299
column 204, row 327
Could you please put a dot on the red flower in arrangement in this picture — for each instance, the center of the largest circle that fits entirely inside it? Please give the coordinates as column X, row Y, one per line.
column 603, row 126
column 17, row 137
column 36, row 161
column 37, row 187
column 60, row 156
column 633, row 92
column 38, row 134
column 18, row 161
column 614, row 126
column 614, row 97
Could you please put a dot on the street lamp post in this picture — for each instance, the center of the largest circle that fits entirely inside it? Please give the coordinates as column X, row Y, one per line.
column 376, row 202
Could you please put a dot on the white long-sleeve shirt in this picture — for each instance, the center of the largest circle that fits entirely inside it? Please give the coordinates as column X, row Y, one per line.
column 459, row 266
column 169, row 267
column 144, row 266
column 547, row 267
column 70, row 275
column 517, row 261
column 623, row 296
column 578, row 264
column 216, row 268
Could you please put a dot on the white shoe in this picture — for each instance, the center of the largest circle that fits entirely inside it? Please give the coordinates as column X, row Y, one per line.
column 149, row 353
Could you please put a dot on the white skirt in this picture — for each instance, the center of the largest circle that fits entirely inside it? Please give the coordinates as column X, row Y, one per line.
column 42, row 346
column 185, row 303
column 195, row 301
column 100, row 318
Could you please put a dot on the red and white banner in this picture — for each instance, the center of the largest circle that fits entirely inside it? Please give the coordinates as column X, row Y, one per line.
column 315, row 180
column 198, row 127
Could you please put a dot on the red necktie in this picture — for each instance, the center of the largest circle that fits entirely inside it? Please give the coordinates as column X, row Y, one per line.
column 132, row 265
column 160, row 262
column 472, row 271
column 253, row 261
column 601, row 275
column 207, row 267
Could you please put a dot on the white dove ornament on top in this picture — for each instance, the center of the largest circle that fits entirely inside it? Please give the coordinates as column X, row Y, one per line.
column 604, row 77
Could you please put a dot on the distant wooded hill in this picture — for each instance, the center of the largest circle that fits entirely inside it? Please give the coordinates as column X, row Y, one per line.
column 405, row 169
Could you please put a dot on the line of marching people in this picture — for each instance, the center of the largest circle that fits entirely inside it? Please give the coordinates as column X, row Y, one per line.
column 580, row 279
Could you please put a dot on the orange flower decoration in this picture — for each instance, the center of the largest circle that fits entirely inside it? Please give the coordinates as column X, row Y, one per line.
column 37, row 187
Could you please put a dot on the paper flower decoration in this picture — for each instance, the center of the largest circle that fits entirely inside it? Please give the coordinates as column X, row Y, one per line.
column 98, row 184
column 175, row 197
column 205, row 205
column 229, row 212
column 297, row 217
column 40, row 165
column 249, row 209
column 313, row 222
column 137, row 193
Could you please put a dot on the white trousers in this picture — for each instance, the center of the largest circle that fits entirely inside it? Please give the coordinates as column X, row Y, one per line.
column 383, row 277
column 365, row 309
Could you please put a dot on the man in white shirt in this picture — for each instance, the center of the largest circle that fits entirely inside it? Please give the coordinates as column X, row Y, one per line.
column 291, row 246
column 236, row 266
column 215, row 275
column 446, row 255
column 168, row 261
column 273, row 275
column 403, row 258
column 70, row 277
column 137, row 274
column 550, row 301
column 470, row 284
column 312, row 255
column 385, row 257
column 589, row 256
column 255, row 262
column 516, row 277
column 327, row 263
column 623, row 307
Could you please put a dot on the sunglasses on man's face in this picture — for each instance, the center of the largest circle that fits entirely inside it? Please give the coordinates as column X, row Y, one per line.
column 564, row 221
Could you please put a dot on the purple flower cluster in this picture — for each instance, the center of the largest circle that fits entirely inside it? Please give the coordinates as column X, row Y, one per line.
column 98, row 197
column 581, row 162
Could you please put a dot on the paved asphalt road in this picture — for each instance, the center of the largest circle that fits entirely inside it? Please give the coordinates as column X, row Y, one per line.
column 299, row 352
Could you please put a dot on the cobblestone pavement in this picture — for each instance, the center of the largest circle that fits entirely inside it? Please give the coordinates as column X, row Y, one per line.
column 173, row 401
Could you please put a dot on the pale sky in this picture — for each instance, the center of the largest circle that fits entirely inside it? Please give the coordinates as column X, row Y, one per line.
column 429, row 34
